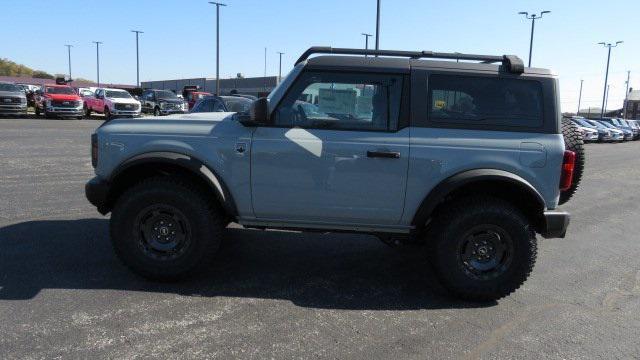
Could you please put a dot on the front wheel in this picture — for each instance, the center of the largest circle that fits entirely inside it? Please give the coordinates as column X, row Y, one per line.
column 87, row 111
column 156, row 112
column 165, row 228
column 482, row 248
column 37, row 109
column 107, row 114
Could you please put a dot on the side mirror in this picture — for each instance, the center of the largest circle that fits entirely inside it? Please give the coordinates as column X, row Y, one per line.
column 259, row 112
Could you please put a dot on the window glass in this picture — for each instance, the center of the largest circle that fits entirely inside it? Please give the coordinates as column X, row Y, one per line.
column 342, row 101
column 485, row 101
column 208, row 105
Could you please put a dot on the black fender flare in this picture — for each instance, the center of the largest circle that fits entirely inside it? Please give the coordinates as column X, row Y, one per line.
column 440, row 192
column 187, row 162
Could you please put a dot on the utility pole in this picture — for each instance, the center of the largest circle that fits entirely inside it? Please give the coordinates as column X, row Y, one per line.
column 378, row 25
column 533, row 18
column 137, row 57
column 626, row 95
column 217, row 4
column 606, row 76
column 265, row 69
column 98, row 60
column 280, row 67
column 366, row 41
column 69, row 52
column 579, row 97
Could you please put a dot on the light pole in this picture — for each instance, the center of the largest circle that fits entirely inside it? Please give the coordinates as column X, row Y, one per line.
column 98, row 60
column 264, row 81
column 533, row 18
column 138, row 32
column 626, row 95
column 280, row 67
column 217, row 4
column 579, row 97
column 378, row 25
column 366, row 41
column 606, row 98
column 69, row 52
column 606, row 74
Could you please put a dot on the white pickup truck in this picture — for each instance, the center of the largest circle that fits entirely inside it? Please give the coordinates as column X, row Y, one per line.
column 112, row 103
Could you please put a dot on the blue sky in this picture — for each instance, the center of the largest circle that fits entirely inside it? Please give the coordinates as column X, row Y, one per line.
column 179, row 38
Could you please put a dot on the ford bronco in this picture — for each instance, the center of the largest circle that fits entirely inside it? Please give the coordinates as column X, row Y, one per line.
column 466, row 158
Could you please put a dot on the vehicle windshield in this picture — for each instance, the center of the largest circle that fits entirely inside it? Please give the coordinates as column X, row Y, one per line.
column 8, row 87
column 596, row 124
column 237, row 104
column 60, row 90
column 165, row 94
column 583, row 122
column 117, row 94
column 608, row 125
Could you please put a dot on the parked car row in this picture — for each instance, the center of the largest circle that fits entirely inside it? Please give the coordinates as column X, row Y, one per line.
column 607, row 129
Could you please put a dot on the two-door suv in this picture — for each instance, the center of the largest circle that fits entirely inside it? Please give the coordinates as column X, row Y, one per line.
column 465, row 157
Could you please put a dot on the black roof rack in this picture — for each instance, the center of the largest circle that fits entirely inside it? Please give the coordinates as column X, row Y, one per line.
column 512, row 63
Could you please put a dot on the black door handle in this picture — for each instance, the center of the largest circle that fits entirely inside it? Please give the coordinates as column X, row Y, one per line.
column 383, row 154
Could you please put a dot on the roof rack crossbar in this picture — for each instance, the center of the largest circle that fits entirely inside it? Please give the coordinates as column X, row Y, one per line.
column 511, row 62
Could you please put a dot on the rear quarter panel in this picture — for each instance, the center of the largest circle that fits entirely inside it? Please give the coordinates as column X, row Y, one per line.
column 438, row 153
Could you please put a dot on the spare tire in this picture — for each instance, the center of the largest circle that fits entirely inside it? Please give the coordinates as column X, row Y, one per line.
column 573, row 142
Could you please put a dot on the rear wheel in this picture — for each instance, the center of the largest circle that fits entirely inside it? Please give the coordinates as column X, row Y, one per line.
column 87, row 111
column 37, row 109
column 482, row 248
column 156, row 111
column 165, row 228
column 107, row 113
column 573, row 142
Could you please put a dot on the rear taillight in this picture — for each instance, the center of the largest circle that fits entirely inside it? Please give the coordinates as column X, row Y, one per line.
column 94, row 150
column 568, row 165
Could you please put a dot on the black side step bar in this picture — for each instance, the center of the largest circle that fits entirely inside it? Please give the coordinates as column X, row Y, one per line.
column 512, row 63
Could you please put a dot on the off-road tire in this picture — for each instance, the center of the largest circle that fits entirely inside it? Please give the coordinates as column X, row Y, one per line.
column 201, row 217
column 573, row 142
column 448, row 235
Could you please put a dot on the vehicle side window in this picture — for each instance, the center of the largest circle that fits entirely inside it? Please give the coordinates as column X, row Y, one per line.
column 342, row 101
column 490, row 101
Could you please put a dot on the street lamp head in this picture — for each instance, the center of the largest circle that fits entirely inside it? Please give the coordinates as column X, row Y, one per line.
column 217, row 3
column 523, row 13
column 545, row 12
column 619, row 42
column 137, row 31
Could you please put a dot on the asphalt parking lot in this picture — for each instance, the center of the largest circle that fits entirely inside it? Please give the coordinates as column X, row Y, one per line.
column 63, row 294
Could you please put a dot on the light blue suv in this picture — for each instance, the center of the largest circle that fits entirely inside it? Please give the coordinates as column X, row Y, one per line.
column 467, row 158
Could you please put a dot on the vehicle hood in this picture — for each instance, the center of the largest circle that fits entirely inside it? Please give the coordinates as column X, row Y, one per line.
column 12, row 94
column 172, row 101
column 63, row 97
column 197, row 124
column 124, row 101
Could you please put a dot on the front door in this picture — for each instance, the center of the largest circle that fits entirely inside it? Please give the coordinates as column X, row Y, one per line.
column 334, row 152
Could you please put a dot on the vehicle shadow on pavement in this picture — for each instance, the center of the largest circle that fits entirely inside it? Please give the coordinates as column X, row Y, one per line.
column 333, row 271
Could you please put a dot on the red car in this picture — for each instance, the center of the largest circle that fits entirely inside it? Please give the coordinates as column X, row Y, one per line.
column 58, row 100
column 193, row 97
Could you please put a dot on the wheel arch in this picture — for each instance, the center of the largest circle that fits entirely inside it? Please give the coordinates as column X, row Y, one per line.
column 493, row 182
column 150, row 164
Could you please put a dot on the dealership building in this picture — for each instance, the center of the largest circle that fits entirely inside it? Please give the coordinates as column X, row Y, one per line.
column 258, row 86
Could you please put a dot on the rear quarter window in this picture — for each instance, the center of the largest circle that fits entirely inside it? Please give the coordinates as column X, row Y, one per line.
column 485, row 102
